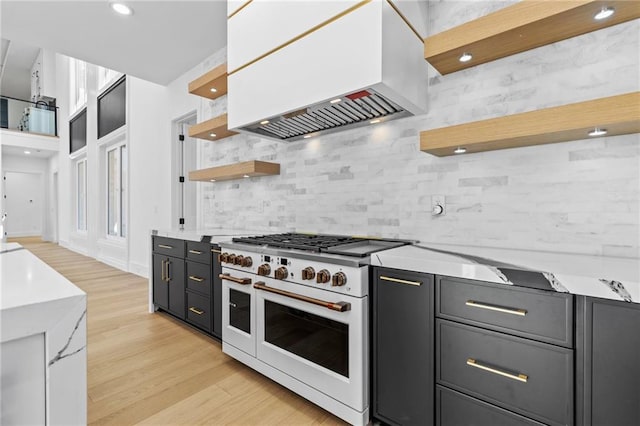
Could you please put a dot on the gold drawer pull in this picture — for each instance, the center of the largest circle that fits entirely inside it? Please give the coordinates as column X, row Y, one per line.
column 399, row 281
column 473, row 303
column 195, row 252
column 196, row 311
column 216, row 251
column 196, row 279
column 165, row 246
column 519, row 377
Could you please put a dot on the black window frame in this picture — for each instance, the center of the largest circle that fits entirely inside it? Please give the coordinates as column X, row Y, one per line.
column 76, row 117
column 105, row 93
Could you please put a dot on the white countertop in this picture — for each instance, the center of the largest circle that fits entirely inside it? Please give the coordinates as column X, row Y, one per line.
column 596, row 276
column 217, row 234
column 26, row 280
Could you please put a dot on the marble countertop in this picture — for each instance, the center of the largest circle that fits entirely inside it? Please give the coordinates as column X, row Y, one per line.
column 596, row 276
column 26, row 280
column 217, row 234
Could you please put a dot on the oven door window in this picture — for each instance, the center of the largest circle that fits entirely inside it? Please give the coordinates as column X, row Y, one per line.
column 240, row 310
column 320, row 340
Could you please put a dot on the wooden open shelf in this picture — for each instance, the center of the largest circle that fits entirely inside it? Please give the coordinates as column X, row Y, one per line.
column 216, row 78
column 235, row 171
column 216, row 126
column 619, row 115
column 525, row 25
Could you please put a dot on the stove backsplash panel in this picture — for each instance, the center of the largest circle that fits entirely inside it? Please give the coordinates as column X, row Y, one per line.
column 578, row 197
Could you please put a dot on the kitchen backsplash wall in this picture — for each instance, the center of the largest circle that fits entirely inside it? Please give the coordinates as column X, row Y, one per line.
column 577, row 197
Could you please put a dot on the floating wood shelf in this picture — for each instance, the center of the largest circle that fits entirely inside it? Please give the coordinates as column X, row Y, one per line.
column 525, row 25
column 217, row 127
column 214, row 79
column 235, row 171
column 619, row 115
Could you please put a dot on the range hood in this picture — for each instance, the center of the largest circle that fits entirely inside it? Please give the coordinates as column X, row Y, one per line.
column 302, row 69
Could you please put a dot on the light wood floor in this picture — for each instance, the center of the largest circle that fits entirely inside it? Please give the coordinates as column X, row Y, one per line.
column 151, row 369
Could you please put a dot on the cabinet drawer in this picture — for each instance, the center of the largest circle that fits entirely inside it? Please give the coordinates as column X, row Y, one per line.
column 199, row 310
column 535, row 314
column 199, row 277
column 530, row 378
column 168, row 246
column 199, row 252
column 457, row 409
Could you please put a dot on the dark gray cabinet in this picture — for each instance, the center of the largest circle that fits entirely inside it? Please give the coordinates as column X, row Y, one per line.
column 402, row 347
column 169, row 275
column 608, row 357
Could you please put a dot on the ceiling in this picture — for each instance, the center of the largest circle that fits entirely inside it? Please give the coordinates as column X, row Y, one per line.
column 18, row 151
column 16, row 60
column 158, row 43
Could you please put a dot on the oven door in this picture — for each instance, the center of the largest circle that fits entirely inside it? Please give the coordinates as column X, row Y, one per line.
column 238, row 313
column 324, row 348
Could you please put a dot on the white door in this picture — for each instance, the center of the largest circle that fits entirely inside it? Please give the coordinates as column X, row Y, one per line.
column 23, row 204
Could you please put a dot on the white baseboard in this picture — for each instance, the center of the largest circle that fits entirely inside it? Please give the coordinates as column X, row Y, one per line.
column 111, row 261
column 139, row 269
column 24, row 234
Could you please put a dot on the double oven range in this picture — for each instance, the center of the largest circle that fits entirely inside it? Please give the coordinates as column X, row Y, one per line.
column 295, row 308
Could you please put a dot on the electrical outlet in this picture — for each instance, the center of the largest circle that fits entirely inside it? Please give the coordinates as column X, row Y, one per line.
column 438, row 206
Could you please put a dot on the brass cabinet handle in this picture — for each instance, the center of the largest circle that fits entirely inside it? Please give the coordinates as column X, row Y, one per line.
column 196, row 279
column 195, row 252
column 399, row 281
column 167, row 275
column 519, row 377
column 165, row 246
column 512, row 311
column 163, row 276
column 196, row 311
column 243, row 281
column 334, row 306
column 216, row 251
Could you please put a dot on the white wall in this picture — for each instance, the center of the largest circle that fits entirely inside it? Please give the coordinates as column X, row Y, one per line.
column 579, row 197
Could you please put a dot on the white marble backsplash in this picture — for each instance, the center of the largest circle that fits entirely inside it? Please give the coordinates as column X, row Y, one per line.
column 574, row 197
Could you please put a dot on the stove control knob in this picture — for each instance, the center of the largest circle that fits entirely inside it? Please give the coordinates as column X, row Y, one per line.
column 281, row 273
column 339, row 279
column 231, row 258
column 308, row 273
column 238, row 260
column 323, row 276
column 264, row 269
column 246, row 262
column 223, row 257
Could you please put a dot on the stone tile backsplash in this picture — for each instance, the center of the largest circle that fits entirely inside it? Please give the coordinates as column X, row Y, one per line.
column 577, row 197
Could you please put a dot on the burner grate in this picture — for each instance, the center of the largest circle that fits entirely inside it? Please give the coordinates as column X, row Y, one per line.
column 295, row 241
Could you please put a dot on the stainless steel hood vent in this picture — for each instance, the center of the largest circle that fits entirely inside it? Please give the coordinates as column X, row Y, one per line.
column 354, row 110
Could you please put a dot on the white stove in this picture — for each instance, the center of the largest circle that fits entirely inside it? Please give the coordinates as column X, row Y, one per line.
column 295, row 308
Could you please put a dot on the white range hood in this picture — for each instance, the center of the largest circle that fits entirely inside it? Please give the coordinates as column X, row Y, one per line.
column 301, row 68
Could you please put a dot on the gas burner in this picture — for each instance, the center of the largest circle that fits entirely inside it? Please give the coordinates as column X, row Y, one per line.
column 319, row 243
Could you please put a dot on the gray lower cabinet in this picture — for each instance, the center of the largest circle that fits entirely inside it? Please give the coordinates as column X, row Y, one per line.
column 608, row 357
column 168, row 284
column 402, row 347
column 455, row 409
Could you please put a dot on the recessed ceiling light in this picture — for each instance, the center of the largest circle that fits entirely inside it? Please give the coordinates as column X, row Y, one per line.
column 460, row 150
column 213, row 135
column 604, row 13
column 213, row 90
column 27, row 152
column 597, row 132
column 213, row 180
column 465, row 57
column 306, row 136
column 335, row 101
column 121, row 8
column 263, row 122
column 375, row 121
column 245, row 176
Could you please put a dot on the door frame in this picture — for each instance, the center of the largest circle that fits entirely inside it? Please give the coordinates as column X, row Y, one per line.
column 184, row 158
column 43, row 202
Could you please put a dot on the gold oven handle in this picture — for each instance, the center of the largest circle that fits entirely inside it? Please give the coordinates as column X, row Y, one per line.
column 334, row 306
column 512, row 311
column 399, row 281
column 243, row 281
column 519, row 377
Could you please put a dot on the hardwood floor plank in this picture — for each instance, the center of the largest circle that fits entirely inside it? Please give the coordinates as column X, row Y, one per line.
column 152, row 369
